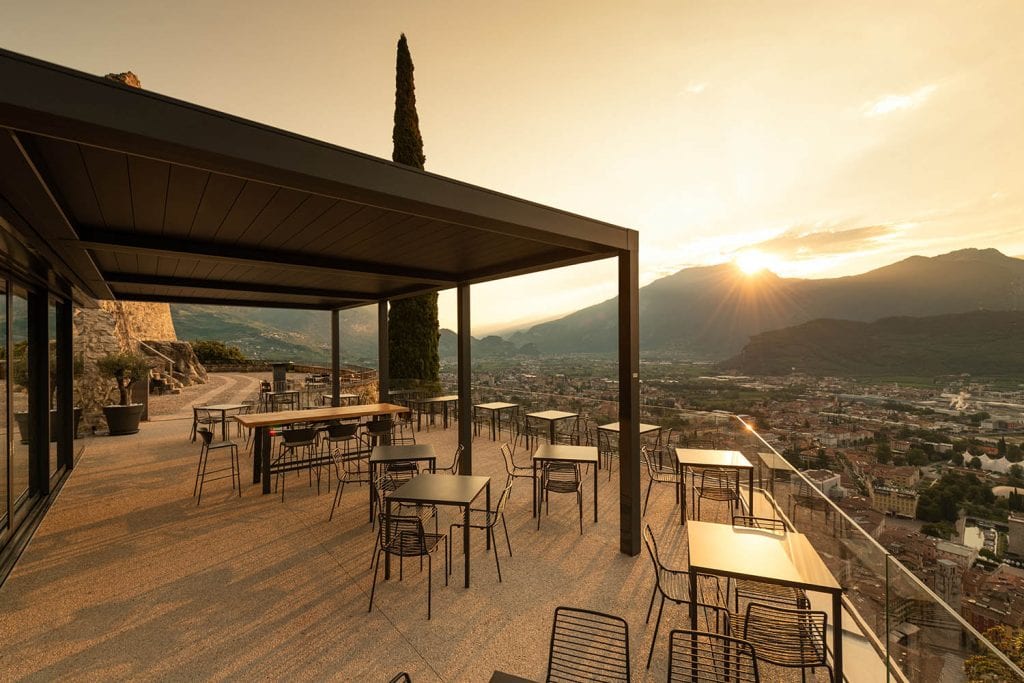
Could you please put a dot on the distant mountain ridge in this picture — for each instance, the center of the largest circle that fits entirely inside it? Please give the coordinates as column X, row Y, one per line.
column 710, row 312
column 985, row 343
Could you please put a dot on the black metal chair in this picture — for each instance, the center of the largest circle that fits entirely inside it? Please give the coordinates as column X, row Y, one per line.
column 200, row 418
column 588, row 646
column 348, row 451
column 786, row 637
column 514, row 471
column 454, row 467
column 402, row 537
column 561, row 477
column 700, row 657
column 719, row 485
column 674, row 585
column 204, row 456
column 528, row 433
column 380, row 432
column 607, row 449
column 488, row 519
column 401, row 677
column 658, row 474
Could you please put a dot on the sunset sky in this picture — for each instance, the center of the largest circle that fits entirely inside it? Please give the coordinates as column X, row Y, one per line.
column 817, row 138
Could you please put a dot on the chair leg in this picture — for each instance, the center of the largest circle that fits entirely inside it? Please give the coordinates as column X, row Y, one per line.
column 199, row 466
column 376, row 568
column 430, row 581
column 647, row 497
column 494, row 542
column 507, row 540
column 579, row 503
column 657, row 624
column 650, row 606
column 202, row 479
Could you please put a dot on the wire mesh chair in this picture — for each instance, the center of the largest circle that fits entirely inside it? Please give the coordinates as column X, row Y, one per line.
column 380, row 431
column 588, row 646
column 569, row 435
column 454, row 467
column 528, row 433
column 293, row 443
column 204, row 456
column 488, row 519
column 719, row 485
column 607, row 448
column 788, row 637
column 514, row 471
column 347, row 450
column 699, row 657
column 748, row 589
column 561, row 477
column 403, row 536
column 658, row 474
column 674, row 585
column 200, row 418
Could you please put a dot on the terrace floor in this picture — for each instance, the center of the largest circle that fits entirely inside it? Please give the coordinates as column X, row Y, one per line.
column 127, row 578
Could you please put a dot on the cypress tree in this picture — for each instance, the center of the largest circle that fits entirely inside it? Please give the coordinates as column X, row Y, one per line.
column 412, row 323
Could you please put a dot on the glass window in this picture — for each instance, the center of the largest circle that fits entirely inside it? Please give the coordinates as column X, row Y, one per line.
column 19, row 397
column 51, row 343
column 4, row 417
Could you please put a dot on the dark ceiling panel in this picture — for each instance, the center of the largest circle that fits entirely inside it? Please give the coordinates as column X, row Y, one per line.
column 108, row 172
column 320, row 230
column 219, row 196
column 251, row 201
column 284, row 204
column 148, row 180
column 313, row 207
column 185, row 190
column 64, row 167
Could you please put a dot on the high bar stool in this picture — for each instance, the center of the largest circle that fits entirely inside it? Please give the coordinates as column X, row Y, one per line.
column 204, row 455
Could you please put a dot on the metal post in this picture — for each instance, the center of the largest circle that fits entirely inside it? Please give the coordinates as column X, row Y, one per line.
column 39, row 396
column 383, row 373
column 629, row 399
column 65, row 386
column 465, row 378
column 335, row 359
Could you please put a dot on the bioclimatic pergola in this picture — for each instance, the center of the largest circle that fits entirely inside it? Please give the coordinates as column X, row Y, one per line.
column 130, row 195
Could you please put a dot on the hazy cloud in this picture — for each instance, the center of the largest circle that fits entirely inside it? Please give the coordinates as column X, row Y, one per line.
column 893, row 103
column 804, row 244
column 696, row 88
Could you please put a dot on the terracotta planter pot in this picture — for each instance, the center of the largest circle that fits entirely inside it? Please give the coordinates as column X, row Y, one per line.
column 123, row 419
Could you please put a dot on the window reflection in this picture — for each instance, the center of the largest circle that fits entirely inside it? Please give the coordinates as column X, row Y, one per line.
column 19, row 396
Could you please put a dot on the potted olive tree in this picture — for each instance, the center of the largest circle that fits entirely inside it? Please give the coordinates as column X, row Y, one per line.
column 125, row 369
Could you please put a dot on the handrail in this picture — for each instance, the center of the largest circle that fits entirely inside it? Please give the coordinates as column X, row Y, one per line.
column 150, row 349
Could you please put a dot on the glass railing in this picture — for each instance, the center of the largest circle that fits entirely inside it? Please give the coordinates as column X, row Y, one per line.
column 895, row 628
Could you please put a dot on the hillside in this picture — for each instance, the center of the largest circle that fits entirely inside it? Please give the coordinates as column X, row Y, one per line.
column 281, row 334
column 711, row 312
column 981, row 343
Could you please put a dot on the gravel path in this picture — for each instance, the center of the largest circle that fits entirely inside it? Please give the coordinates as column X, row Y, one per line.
column 221, row 387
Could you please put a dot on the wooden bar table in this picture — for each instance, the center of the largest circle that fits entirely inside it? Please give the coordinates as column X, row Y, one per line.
column 262, row 422
column 780, row 558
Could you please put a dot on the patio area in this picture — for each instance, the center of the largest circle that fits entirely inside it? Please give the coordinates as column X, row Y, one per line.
column 128, row 578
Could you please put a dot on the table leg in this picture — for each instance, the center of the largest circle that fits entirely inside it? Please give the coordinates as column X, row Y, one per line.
column 534, row 488
column 750, row 491
column 385, row 531
column 223, row 425
column 488, row 507
column 693, row 600
column 493, row 430
column 837, row 634
column 465, row 540
column 682, row 494
column 373, row 488
column 257, row 466
column 595, row 494
column 265, row 459
column 551, row 431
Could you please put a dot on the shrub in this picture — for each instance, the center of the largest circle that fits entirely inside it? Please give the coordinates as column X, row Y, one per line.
column 213, row 351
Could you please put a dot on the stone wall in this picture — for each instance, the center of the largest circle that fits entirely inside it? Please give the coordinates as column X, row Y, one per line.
column 139, row 320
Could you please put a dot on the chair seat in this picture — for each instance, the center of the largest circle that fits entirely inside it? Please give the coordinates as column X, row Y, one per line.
column 431, row 541
column 222, row 444
column 478, row 519
column 717, row 493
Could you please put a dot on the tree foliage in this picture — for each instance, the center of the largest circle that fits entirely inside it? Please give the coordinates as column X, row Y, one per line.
column 954, row 490
column 212, row 351
column 986, row 668
column 125, row 369
column 413, row 331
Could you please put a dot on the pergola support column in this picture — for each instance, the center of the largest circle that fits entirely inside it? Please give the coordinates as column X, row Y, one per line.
column 383, row 362
column 465, row 379
column 629, row 399
column 335, row 358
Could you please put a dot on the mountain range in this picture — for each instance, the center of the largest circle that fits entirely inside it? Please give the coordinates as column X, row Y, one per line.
column 702, row 313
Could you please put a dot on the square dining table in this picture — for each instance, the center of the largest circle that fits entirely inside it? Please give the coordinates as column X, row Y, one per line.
column 441, row 489
column 383, row 455
column 782, row 559
column 552, row 417
column 701, row 457
column 224, row 409
column 428, row 404
column 496, row 408
column 578, row 455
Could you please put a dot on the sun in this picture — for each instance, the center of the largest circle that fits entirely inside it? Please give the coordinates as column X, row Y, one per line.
column 753, row 261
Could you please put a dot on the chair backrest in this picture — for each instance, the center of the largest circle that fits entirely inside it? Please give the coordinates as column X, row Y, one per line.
column 503, row 498
column 652, row 547
column 792, row 637
column 337, row 432
column 379, row 427
column 715, row 478
column 207, row 437
column 457, row 459
column 298, row 437
column 605, row 444
column 562, row 471
column 588, row 646
column 401, row 677
column 506, row 453
column 646, row 458
column 699, row 657
column 403, row 535
column 764, row 523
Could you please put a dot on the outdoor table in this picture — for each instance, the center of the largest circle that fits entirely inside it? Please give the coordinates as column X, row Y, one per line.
column 387, row 454
column 577, row 455
column 495, row 409
column 783, row 559
column 290, row 396
column 223, row 409
column 775, row 463
column 420, row 403
column 551, row 417
column 700, row 457
column 441, row 489
column 325, row 399
column 262, row 422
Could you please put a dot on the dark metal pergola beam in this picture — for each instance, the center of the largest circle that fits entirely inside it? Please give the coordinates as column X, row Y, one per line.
column 156, row 245
column 249, row 303
column 232, row 286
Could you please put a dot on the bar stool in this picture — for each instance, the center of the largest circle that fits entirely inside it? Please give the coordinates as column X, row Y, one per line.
column 204, row 456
